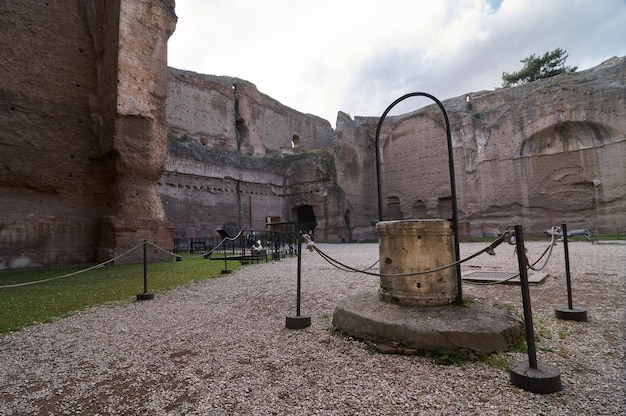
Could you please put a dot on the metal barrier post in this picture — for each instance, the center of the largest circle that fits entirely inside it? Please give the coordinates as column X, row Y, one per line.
column 531, row 376
column 226, row 270
column 569, row 313
column 455, row 219
column 145, row 295
column 298, row 321
column 224, row 236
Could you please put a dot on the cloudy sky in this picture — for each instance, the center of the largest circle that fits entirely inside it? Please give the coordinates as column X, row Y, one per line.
column 358, row 56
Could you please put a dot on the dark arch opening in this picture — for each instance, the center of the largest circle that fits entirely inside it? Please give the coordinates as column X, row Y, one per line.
column 295, row 143
column 419, row 209
column 569, row 136
column 444, row 208
column 394, row 212
column 305, row 218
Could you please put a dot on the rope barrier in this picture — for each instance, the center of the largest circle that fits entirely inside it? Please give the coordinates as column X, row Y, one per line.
column 489, row 250
column 506, row 236
column 97, row 266
column 555, row 230
column 511, row 242
column 183, row 256
column 204, row 254
column 222, row 242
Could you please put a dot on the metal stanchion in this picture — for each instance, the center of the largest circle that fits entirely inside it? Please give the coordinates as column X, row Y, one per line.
column 455, row 215
column 145, row 295
column 531, row 376
column 569, row 313
column 298, row 321
column 224, row 236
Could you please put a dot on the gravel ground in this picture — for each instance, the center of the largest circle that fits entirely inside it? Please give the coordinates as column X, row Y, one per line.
column 220, row 347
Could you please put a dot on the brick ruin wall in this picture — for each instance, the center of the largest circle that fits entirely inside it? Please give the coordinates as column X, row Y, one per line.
column 238, row 156
column 90, row 167
column 49, row 207
column 538, row 155
column 542, row 154
column 83, row 128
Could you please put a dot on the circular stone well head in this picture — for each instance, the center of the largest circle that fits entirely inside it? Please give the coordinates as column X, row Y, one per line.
column 410, row 246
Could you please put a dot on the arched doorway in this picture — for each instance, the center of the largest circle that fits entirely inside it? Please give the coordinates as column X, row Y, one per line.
column 305, row 218
column 394, row 212
column 295, row 143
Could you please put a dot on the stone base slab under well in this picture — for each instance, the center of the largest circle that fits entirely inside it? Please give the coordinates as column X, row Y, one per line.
column 476, row 328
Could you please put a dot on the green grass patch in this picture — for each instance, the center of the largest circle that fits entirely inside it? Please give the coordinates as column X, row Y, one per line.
column 45, row 302
column 448, row 358
column 496, row 360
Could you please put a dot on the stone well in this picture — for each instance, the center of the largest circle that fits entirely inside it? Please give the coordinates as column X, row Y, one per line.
column 411, row 246
column 418, row 313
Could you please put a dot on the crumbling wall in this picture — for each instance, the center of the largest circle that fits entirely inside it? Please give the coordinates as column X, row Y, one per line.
column 541, row 154
column 83, row 131
column 90, row 168
column 355, row 159
column 231, row 158
column 140, row 130
column 52, row 190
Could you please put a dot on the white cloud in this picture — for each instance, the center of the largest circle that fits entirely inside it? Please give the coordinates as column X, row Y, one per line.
column 324, row 56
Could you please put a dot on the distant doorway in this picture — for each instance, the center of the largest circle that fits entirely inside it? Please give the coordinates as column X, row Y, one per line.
column 295, row 143
column 419, row 210
column 305, row 217
column 444, row 208
column 394, row 212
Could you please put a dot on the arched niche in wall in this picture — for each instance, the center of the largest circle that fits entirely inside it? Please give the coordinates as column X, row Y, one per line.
column 419, row 210
column 569, row 136
column 393, row 212
column 444, row 208
column 296, row 144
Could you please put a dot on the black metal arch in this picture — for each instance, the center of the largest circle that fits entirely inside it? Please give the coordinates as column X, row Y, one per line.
column 455, row 223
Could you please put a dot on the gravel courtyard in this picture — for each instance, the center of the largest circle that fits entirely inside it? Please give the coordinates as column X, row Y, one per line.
column 220, row 347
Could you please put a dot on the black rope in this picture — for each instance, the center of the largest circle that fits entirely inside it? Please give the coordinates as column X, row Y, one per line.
column 528, row 266
column 336, row 263
column 97, row 266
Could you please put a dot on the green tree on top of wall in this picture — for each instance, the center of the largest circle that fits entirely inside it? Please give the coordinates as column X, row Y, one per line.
column 546, row 66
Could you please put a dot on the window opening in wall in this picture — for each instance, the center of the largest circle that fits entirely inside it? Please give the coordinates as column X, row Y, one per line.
column 295, row 143
column 444, row 208
column 393, row 208
column 419, row 210
column 272, row 223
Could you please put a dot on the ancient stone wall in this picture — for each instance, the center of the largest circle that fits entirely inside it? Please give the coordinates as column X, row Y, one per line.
column 539, row 155
column 82, row 86
column 355, row 159
column 231, row 114
column 51, row 191
column 90, row 168
column 238, row 156
column 140, row 146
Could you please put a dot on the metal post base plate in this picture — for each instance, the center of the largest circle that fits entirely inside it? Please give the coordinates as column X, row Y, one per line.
column 226, row 271
column 145, row 296
column 298, row 322
column 574, row 314
column 543, row 379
